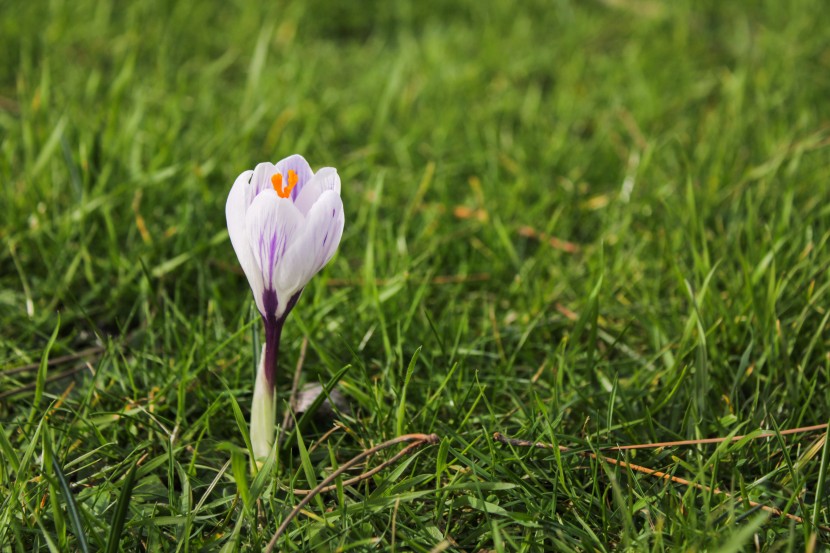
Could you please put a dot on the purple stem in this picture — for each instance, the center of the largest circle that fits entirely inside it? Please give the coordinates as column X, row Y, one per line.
column 273, row 332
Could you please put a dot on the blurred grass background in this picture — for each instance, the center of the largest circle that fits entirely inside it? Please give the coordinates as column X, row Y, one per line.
column 598, row 222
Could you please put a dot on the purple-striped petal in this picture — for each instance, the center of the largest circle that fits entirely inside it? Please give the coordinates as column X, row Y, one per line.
column 235, row 209
column 260, row 180
column 272, row 224
column 301, row 168
column 314, row 246
column 324, row 179
column 285, row 223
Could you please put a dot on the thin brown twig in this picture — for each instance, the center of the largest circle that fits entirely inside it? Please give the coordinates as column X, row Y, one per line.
column 419, row 439
column 321, row 440
column 787, row 432
column 499, row 437
column 60, row 400
column 363, row 476
column 54, row 361
column 33, row 385
column 801, row 430
column 715, row 491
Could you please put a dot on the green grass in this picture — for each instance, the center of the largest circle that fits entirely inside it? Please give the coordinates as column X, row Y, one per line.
column 682, row 147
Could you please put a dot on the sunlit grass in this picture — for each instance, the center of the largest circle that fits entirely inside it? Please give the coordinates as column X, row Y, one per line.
column 594, row 223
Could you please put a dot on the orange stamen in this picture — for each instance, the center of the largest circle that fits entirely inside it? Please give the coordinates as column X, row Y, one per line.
column 276, row 181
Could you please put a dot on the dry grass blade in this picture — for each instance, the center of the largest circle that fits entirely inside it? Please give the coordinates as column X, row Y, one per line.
column 54, row 361
column 800, row 430
column 419, row 439
column 362, row 476
column 554, row 242
column 31, row 386
column 499, row 437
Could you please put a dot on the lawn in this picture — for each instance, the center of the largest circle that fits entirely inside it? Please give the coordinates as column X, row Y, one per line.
column 582, row 223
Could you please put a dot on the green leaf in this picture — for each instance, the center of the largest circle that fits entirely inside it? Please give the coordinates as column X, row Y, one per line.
column 308, row 469
column 400, row 413
column 740, row 538
column 242, row 426
column 121, row 509
column 822, row 479
column 240, row 475
column 54, row 494
column 71, row 507
column 9, row 454
column 479, row 505
column 41, row 372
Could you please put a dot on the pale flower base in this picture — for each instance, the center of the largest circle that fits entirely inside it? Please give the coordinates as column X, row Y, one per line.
column 263, row 414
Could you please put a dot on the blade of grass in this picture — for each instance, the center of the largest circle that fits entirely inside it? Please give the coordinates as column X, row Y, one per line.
column 71, row 507
column 121, row 509
column 308, row 469
column 239, row 470
column 41, row 373
column 9, row 454
column 400, row 413
column 822, row 480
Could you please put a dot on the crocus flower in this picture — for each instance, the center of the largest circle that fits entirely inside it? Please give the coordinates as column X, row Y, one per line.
column 285, row 223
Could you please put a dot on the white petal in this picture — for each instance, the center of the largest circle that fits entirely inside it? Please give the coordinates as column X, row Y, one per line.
column 299, row 165
column 235, row 210
column 325, row 179
column 313, row 248
column 260, row 180
column 272, row 224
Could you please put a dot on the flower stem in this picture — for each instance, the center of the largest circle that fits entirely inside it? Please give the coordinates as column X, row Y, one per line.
column 263, row 409
column 273, row 332
column 264, row 406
